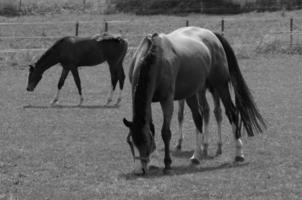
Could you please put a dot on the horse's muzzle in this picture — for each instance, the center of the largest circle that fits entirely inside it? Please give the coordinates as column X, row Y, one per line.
column 30, row 89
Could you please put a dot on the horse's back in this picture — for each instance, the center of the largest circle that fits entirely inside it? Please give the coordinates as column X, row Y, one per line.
column 189, row 58
column 192, row 53
column 206, row 45
column 89, row 51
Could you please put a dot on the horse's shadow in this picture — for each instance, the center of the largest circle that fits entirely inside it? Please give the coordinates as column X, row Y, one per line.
column 61, row 106
column 188, row 154
column 183, row 169
column 182, row 153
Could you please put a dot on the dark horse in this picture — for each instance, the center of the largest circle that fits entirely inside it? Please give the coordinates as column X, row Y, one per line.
column 175, row 66
column 72, row 52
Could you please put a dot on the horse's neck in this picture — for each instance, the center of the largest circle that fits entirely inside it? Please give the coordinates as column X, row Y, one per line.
column 142, row 116
column 142, row 100
column 47, row 60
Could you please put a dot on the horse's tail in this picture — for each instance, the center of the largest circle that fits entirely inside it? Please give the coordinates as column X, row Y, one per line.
column 119, row 39
column 250, row 116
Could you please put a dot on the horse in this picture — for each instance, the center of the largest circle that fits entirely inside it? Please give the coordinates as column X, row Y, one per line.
column 205, row 110
column 176, row 66
column 73, row 51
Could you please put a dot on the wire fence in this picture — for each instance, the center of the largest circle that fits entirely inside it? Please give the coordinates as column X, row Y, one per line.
column 43, row 40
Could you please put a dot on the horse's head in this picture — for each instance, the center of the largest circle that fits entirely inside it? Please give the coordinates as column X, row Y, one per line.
column 141, row 139
column 33, row 78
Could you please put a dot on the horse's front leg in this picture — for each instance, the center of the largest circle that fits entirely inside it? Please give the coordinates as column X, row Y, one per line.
column 121, row 80
column 114, row 79
column 77, row 81
column 167, row 108
column 60, row 85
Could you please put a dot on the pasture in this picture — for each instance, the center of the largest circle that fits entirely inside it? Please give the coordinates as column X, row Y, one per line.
column 77, row 153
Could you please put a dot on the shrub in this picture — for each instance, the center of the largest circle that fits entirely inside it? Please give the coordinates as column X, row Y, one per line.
column 272, row 44
column 220, row 7
column 9, row 8
column 158, row 6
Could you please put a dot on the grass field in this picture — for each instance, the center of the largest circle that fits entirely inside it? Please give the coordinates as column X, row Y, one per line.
column 81, row 153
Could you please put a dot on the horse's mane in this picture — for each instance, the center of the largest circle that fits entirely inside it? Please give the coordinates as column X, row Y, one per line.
column 50, row 52
column 107, row 37
column 141, row 87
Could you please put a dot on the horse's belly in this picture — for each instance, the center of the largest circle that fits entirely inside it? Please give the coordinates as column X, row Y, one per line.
column 187, row 83
column 91, row 59
column 187, row 88
column 191, row 78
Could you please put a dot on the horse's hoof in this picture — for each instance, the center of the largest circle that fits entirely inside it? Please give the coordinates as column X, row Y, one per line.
column 218, row 152
column 54, row 102
column 81, row 102
column 195, row 161
column 239, row 159
column 139, row 172
column 118, row 101
column 205, row 154
column 153, row 167
column 167, row 170
column 108, row 102
column 178, row 147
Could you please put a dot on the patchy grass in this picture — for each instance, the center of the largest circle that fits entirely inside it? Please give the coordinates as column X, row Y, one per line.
column 81, row 153
column 272, row 44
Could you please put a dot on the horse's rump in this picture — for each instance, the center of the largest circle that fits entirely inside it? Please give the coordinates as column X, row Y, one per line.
column 196, row 56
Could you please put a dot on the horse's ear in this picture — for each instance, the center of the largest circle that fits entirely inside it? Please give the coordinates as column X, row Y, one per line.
column 31, row 68
column 154, row 35
column 127, row 123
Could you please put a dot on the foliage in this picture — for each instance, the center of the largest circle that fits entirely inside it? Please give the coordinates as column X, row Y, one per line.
column 158, row 6
column 220, row 7
column 274, row 45
column 205, row 6
column 8, row 8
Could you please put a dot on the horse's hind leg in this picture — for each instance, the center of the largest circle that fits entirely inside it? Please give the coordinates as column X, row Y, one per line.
column 180, row 118
column 60, row 85
column 205, row 110
column 218, row 116
column 197, row 117
column 77, row 80
column 121, row 80
column 233, row 116
column 114, row 80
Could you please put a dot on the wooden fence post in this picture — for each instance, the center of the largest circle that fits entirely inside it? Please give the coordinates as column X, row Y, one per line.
column 187, row 22
column 77, row 28
column 222, row 26
column 106, row 26
column 20, row 5
column 291, row 32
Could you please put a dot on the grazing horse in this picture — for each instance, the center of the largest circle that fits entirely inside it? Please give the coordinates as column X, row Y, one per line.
column 205, row 110
column 72, row 52
column 177, row 66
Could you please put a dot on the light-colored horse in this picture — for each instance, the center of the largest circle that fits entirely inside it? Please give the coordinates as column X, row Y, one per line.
column 176, row 66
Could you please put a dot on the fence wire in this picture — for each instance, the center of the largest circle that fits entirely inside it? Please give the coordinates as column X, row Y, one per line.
column 42, row 40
